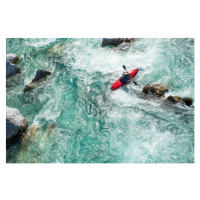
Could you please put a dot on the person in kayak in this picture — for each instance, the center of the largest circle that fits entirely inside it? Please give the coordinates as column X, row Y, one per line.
column 125, row 77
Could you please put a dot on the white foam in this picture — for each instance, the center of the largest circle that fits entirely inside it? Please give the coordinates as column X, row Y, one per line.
column 40, row 42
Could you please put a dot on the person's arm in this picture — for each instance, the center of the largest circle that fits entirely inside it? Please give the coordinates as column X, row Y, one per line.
column 128, row 76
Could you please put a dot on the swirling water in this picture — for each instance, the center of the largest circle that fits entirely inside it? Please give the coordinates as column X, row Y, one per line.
column 80, row 120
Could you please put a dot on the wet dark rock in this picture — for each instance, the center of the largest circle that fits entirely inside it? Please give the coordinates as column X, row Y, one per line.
column 187, row 100
column 155, row 88
column 11, row 69
column 16, row 124
column 156, row 93
column 115, row 41
column 29, row 87
column 12, row 58
column 174, row 99
column 40, row 74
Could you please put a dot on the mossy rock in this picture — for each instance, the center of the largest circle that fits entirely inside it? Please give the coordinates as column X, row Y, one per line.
column 174, row 99
column 155, row 88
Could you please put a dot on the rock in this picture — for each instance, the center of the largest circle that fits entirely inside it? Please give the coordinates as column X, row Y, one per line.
column 11, row 69
column 31, row 129
column 16, row 124
column 40, row 74
column 51, row 129
column 29, row 87
column 155, row 89
column 12, row 58
column 30, row 134
column 174, row 99
column 34, row 160
column 123, row 46
column 115, row 41
column 187, row 101
column 56, row 50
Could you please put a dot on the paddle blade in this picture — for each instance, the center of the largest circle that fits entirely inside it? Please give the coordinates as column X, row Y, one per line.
column 124, row 67
column 134, row 82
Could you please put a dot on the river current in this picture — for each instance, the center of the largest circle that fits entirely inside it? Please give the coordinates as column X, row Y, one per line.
column 79, row 119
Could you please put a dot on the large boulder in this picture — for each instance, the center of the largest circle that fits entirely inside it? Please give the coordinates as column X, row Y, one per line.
column 40, row 75
column 174, row 99
column 155, row 88
column 12, row 58
column 11, row 69
column 115, row 41
column 16, row 124
column 187, row 101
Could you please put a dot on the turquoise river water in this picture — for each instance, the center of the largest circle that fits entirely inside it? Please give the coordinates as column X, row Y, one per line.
column 80, row 120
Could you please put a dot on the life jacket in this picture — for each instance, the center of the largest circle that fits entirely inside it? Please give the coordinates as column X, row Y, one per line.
column 125, row 77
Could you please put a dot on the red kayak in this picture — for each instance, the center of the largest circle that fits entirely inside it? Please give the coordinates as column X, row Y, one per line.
column 118, row 84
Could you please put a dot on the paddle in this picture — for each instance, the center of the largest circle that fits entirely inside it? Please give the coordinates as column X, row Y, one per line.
column 134, row 82
column 124, row 67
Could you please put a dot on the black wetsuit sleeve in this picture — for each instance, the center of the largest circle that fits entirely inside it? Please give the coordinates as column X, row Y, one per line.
column 128, row 76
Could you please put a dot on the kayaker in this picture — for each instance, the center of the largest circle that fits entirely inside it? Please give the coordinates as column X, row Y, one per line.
column 125, row 77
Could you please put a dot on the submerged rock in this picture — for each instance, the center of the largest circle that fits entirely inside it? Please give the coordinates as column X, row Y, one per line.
column 174, row 99
column 30, row 134
column 56, row 50
column 155, row 89
column 34, row 160
column 187, row 101
column 115, row 41
column 11, row 69
column 40, row 74
column 123, row 47
column 16, row 124
column 51, row 128
column 12, row 58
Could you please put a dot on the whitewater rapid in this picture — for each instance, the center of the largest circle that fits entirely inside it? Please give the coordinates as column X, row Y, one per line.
column 92, row 123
